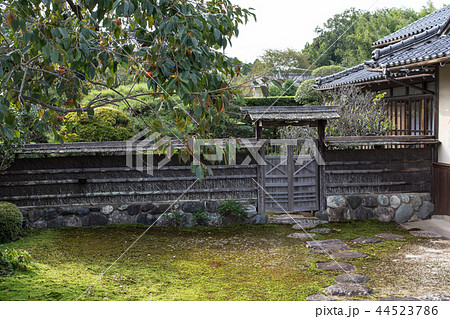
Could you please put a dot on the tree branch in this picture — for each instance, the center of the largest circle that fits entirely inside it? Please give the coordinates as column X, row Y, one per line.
column 75, row 9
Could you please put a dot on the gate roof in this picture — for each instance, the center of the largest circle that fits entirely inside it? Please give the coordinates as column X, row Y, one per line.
column 290, row 115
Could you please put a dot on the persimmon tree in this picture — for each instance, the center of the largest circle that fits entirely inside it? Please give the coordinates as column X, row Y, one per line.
column 53, row 51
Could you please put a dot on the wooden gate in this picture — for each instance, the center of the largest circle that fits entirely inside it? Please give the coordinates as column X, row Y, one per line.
column 290, row 181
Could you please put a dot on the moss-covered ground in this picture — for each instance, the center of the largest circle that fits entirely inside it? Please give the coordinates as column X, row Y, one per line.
column 240, row 262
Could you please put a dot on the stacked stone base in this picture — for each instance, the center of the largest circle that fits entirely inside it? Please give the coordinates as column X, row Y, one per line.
column 188, row 214
column 400, row 208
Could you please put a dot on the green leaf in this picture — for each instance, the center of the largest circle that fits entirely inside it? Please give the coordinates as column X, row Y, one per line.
column 200, row 173
column 55, row 32
column 198, row 23
column 46, row 51
column 64, row 32
column 17, row 134
column 3, row 109
column 55, row 56
column 217, row 36
column 7, row 130
column 110, row 81
column 198, row 111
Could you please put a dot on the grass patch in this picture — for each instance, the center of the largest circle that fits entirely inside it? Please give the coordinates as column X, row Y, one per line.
column 239, row 262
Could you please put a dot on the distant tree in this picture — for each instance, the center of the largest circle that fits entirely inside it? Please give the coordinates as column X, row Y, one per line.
column 288, row 88
column 327, row 70
column 285, row 61
column 346, row 38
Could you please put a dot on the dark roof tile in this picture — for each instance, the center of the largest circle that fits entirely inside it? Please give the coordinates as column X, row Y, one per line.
column 437, row 18
column 357, row 74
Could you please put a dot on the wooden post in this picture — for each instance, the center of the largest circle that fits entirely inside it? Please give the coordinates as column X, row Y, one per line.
column 260, row 169
column 290, row 176
column 321, row 147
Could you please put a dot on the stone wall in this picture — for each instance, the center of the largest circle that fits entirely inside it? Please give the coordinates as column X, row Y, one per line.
column 187, row 214
column 384, row 207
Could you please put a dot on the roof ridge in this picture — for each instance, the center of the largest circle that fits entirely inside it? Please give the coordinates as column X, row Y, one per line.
column 409, row 41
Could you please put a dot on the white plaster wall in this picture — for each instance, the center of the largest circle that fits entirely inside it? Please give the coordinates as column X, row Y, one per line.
column 444, row 114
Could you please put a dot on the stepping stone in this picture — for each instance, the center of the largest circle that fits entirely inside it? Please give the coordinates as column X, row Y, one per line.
column 367, row 240
column 352, row 278
column 320, row 230
column 335, row 266
column 349, row 254
column 398, row 299
column 348, row 290
column 302, row 235
column 327, row 246
column 306, row 223
column 320, row 298
column 435, row 297
column 389, row 236
column 426, row 234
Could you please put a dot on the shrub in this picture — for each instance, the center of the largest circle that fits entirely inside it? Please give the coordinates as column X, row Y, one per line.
column 231, row 207
column 107, row 124
column 363, row 113
column 327, row 70
column 13, row 259
column 268, row 101
column 307, row 94
column 200, row 217
column 10, row 222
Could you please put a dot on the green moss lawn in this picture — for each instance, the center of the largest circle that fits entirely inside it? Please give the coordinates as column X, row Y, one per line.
column 239, row 262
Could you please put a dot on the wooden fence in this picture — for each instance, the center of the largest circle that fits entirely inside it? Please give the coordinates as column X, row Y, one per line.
column 89, row 173
column 378, row 171
column 106, row 179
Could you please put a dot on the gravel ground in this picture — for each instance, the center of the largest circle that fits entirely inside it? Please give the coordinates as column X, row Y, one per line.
column 418, row 269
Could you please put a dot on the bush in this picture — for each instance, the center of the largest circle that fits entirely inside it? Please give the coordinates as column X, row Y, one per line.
column 307, row 95
column 268, row 101
column 107, row 124
column 11, row 259
column 231, row 207
column 10, row 222
column 327, row 70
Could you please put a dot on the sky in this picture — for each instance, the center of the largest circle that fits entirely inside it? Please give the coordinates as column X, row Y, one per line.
column 285, row 24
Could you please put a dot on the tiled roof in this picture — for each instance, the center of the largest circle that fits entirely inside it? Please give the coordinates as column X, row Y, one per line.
column 426, row 46
column 357, row 74
column 423, row 41
column 291, row 113
column 437, row 18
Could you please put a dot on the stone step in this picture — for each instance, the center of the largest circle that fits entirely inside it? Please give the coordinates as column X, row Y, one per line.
column 302, row 236
column 352, row 278
column 327, row 246
column 348, row 254
column 335, row 266
column 348, row 290
column 305, row 222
